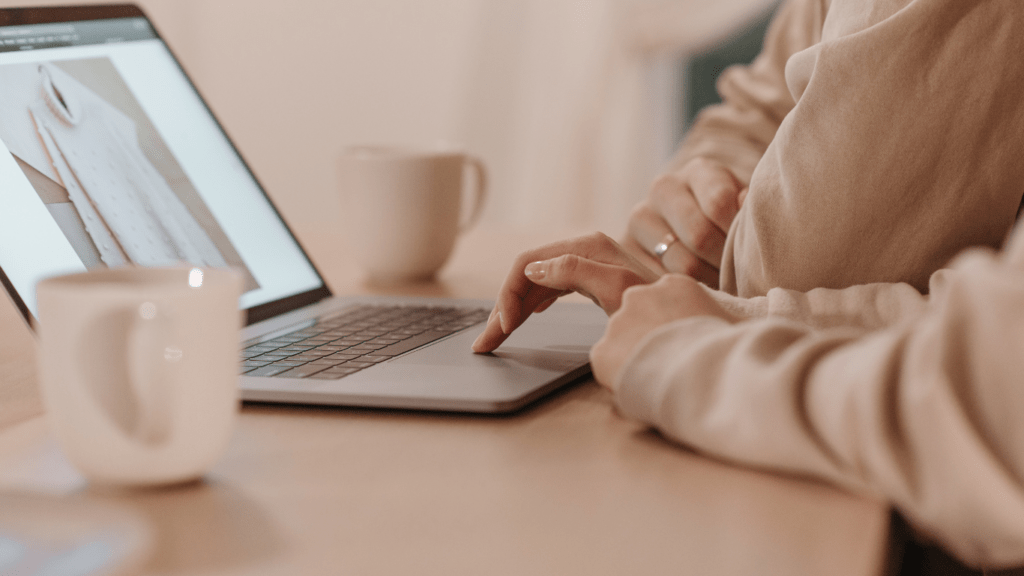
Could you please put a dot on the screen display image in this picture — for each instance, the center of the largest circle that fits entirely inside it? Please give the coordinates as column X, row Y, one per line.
column 109, row 157
column 103, row 172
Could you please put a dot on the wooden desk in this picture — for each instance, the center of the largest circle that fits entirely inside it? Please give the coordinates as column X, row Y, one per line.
column 566, row 487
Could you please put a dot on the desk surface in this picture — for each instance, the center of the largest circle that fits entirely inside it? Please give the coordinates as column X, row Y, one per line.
column 565, row 487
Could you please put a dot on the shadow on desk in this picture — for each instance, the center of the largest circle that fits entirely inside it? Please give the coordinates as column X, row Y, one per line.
column 200, row 527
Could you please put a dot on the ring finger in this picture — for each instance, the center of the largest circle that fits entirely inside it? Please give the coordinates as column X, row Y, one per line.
column 649, row 229
column 684, row 216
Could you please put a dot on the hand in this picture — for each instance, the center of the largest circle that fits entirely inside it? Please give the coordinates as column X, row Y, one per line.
column 595, row 266
column 645, row 308
column 696, row 204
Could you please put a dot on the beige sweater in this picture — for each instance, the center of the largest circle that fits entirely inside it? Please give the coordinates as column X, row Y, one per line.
column 898, row 123
column 899, row 141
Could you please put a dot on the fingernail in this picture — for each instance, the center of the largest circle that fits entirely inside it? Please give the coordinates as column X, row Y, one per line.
column 536, row 270
column 501, row 320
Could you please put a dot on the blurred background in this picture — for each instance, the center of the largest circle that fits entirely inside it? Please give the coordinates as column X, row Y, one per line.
column 573, row 104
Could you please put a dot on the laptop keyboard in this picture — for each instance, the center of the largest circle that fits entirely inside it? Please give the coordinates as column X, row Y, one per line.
column 358, row 338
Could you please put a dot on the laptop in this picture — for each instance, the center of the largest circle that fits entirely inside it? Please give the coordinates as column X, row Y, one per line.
column 109, row 157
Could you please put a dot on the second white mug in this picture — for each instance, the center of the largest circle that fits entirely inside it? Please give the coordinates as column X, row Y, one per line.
column 403, row 208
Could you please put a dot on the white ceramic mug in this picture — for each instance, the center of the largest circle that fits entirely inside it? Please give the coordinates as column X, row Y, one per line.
column 403, row 208
column 139, row 370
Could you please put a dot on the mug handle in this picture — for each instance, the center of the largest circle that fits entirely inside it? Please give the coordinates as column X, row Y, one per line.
column 480, row 191
column 141, row 340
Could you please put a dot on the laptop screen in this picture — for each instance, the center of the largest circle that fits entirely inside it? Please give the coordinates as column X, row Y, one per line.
column 109, row 157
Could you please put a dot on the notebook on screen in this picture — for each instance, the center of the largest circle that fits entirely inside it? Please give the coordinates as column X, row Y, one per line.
column 109, row 157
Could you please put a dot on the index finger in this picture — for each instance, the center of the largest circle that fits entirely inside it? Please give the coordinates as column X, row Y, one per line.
column 519, row 297
column 495, row 332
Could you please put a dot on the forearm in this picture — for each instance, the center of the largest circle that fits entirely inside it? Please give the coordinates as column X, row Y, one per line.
column 924, row 413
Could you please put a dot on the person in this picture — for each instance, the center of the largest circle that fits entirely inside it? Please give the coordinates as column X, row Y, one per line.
column 838, row 347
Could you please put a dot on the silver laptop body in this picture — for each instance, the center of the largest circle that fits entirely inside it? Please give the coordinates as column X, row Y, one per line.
column 85, row 78
column 547, row 352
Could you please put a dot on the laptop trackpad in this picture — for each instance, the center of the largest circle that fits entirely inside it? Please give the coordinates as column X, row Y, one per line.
column 554, row 346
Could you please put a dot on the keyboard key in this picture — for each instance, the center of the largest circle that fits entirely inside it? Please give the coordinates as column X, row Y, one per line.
column 296, row 348
column 333, row 374
column 315, row 352
column 340, row 356
column 257, row 350
column 270, row 370
column 367, row 347
column 302, row 371
column 315, row 340
column 410, row 344
column 328, row 363
column 357, row 364
column 284, row 340
column 271, row 356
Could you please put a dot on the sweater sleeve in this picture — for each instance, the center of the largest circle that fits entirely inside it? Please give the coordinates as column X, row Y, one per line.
column 867, row 306
column 755, row 98
column 902, row 148
column 924, row 412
